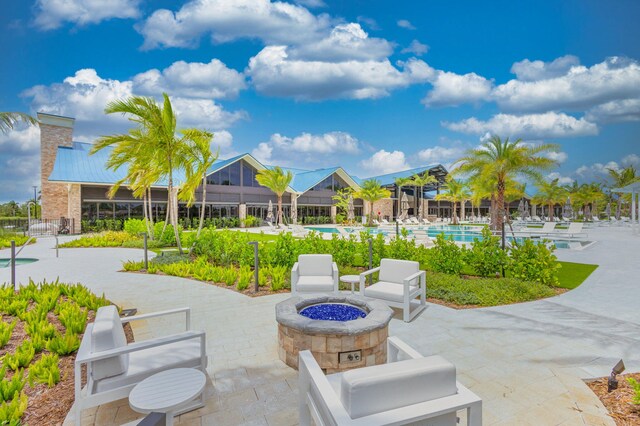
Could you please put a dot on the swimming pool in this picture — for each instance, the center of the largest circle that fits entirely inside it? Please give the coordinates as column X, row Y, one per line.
column 4, row 262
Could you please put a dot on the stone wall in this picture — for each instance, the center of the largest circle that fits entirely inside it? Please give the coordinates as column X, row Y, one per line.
column 56, row 131
column 385, row 207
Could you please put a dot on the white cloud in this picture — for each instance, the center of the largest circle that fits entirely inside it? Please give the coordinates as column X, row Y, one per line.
column 631, row 160
column 562, row 180
column 559, row 156
column 403, row 23
column 274, row 73
column 51, row 14
column 596, row 171
column 312, row 3
column 19, row 163
column 440, row 154
column 579, row 88
column 226, row 20
column 310, row 150
column 614, row 111
column 527, row 70
column 455, row 89
column 371, row 23
column 416, row 48
column 383, row 162
column 192, row 79
column 344, row 42
column 550, row 124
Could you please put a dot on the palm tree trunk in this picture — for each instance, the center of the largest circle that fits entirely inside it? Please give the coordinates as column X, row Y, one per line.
column 166, row 216
column 551, row 212
column 619, row 208
column 150, row 214
column 399, row 196
column 279, row 219
column 204, row 199
column 370, row 221
column 492, row 212
column 455, row 216
column 174, row 208
column 500, row 203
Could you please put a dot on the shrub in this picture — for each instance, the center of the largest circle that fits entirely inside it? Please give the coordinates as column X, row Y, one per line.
column 21, row 357
column 132, row 265
column 72, row 317
column 230, row 276
column 486, row 256
column 104, row 239
column 135, row 227
column 12, row 386
column 45, row 370
column 636, row 390
column 534, row 262
column 166, row 238
column 278, row 274
column 169, row 258
column 244, row 278
column 446, row 256
column 64, row 344
column 42, row 328
column 251, row 221
column 5, row 332
column 11, row 412
column 224, row 247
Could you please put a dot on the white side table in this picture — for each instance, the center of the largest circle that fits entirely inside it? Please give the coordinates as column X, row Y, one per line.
column 167, row 391
column 350, row 279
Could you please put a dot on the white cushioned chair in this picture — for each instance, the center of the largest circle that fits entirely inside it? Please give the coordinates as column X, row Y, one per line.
column 314, row 273
column 409, row 389
column 115, row 367
column 399, row 283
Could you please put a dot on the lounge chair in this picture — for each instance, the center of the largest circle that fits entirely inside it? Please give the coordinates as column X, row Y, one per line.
column 314, row 273
column 400, row 283
column 384, row 221
column 408, row 389
column 298, row 230
column 425, row 221
column 115, row 367
column 574, row 230
column 376, row 222
column 414, row 221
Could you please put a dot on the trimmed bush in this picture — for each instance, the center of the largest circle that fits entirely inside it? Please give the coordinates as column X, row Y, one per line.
column 446, row 256
column 486, row 256
column 534, row 262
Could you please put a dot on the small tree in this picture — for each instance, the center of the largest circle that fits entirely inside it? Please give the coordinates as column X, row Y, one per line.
column 8, row 120
column 400, row 182
column 455, row 191
column 419, row 181
column 278, row 181
column 342, row 199
column 550, row 193
column 371, row 191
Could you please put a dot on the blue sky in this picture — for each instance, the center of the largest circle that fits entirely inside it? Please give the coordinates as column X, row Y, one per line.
column 375, row 86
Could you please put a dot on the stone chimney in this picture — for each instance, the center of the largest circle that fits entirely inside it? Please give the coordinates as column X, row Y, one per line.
column 56, row 131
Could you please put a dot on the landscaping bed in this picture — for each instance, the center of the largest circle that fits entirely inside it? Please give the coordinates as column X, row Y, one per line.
column 620, row 402
column 41, row 328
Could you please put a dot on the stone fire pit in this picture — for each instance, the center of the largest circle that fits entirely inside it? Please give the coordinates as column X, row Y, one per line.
column 336, row 345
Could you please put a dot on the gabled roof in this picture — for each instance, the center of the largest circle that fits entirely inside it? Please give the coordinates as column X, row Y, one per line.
column 303, row 180
column 389, row 178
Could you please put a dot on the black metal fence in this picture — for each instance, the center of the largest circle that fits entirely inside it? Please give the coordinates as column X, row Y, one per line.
column 37, row 227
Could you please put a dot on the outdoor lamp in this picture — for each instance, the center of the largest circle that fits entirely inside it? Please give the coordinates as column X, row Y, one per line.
column 612, row 382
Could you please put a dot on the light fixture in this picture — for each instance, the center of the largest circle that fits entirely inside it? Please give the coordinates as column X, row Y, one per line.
column 612, row 382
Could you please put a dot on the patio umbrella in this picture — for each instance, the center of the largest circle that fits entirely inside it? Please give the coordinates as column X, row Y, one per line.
column 526, row 210
column 568, row 210
column 350, row 210
column 294, row 209
column 607, row 211
column 420, row 212
column 270, row 217
column 533, row 210
column 521, row 208
column 404, row 206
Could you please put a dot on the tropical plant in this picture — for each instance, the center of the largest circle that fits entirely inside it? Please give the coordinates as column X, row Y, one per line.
column 419, row 181
column 245, row 275
column 500, row 160
column 622, row 178
column 11, row 411
column 45, row 370
column 446, row 256
column 277, row 180
column 9, row 387
column 341, row 199
column 21, row 357
column 8, row 120
column 534, row 262
column 486, row 256
column 64, row 344
column 371, row 191
column 5, row 332
column 635, row 385
column 72, row 317
column 455, row 191
column 550, row 193
column 199, row 158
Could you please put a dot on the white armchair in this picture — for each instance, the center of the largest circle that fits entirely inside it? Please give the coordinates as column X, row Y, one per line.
column 115, row 367
column 314, row 273
column 400, row 282
column 409, row 389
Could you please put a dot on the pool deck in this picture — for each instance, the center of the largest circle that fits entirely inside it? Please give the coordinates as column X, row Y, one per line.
column 526, row 361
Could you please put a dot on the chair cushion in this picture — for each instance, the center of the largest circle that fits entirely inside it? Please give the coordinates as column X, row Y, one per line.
column 147, row 362
column 108, row 334
column 371, row 390
column 315, row 264
column 315, row 283
column 388, row 291
column 395, row 271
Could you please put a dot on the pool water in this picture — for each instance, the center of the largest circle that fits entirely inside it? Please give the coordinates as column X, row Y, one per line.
column 5, row 262
column 333, row 312
column 328, row 230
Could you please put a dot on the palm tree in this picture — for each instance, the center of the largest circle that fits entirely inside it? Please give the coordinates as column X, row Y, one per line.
column 501, row 160
column 199, row 158
column 622, row 178
column 371, row 191
column 419, row 181
column 400, row 182
column 157, row 129
column 550, row 193
column 278, row 181
column 481, row 189
column 455, row 192
column 8, row 120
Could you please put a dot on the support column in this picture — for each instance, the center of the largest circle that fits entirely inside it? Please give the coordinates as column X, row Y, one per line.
column 74, row 198
column 334, row 213
column 633, row 207
column 242, row 213
column 294, row 209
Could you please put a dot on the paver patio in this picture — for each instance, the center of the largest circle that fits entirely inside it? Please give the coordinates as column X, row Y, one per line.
column 526, row 361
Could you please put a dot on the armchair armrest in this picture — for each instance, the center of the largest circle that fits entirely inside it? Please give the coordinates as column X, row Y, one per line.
column 363, row 276
column 407, row 281
column 84, row 357
column 187, row 312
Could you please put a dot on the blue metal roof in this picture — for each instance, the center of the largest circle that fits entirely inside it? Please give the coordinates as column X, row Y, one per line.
column 389, row 178
column 304, row 181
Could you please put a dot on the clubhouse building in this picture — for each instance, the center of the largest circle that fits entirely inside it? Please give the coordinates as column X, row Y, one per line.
column 75, row 186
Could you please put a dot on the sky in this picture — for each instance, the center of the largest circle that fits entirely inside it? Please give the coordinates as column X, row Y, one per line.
column 374, row 86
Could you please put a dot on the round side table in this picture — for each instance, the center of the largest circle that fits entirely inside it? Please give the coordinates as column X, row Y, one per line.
column 167, row 391
column 350, row 279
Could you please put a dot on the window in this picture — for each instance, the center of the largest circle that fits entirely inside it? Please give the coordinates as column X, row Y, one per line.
column 249, row 175
column 136, row 211
column 122, row 210
column 105, row 210
column 234, row 174
column 89, row 211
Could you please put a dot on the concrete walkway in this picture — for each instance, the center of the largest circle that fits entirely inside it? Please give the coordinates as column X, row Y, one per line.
column 526, row 361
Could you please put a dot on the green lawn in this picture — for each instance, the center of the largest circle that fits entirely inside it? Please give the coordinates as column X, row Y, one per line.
column 571, row 275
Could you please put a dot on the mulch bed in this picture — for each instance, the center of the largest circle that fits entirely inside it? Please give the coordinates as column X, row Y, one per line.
column 618, row 401
column 49, row 406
